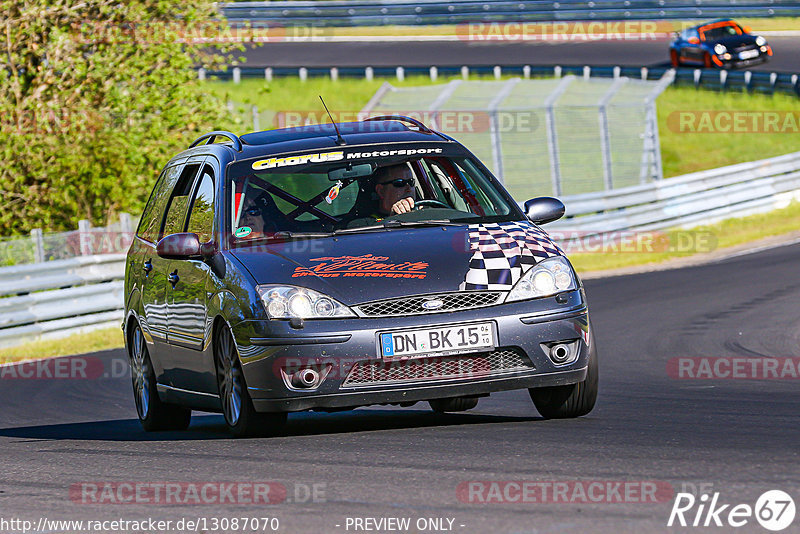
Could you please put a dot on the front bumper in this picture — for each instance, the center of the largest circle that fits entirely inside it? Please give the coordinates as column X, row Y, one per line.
column 342, row 349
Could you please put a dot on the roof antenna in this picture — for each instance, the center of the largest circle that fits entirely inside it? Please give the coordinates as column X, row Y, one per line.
column 339, row 138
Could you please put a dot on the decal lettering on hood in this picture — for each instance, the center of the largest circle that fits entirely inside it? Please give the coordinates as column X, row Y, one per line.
column 363, row 266
column 502, row 252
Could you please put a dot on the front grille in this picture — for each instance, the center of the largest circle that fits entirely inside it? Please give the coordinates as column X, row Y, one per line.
column 479, row 365
column 745, row 47
column 463, row 300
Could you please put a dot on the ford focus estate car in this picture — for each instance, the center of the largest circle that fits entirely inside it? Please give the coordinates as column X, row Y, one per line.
column 336, row 266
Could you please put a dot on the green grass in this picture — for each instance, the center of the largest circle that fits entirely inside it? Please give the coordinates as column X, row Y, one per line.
column 102, row 339
column 685, row 152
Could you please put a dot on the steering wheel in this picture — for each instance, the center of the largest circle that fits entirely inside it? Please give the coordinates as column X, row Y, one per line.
column 430, row 203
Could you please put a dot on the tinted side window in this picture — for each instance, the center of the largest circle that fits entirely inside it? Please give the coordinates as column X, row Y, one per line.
column 201, row 219
column 153, row 213
column 175, row 220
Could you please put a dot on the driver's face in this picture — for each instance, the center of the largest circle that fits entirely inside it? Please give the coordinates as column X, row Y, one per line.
column 252, row 215
column 398, row 185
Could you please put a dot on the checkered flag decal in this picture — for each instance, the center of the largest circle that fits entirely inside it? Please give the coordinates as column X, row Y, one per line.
column 502, row 252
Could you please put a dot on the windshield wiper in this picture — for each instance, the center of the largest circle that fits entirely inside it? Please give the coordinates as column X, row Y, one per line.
column 286, row 234
column 431, row 222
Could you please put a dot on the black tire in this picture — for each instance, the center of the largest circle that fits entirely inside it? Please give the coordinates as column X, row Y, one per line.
column 456, row 404
column 242, row 419
column 574, row 400
column 154, row 415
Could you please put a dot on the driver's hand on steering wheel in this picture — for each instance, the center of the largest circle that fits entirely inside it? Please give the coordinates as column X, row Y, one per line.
column 404, row 205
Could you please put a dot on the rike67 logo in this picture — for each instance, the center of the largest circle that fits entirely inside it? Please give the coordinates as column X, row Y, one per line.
column 774, row 510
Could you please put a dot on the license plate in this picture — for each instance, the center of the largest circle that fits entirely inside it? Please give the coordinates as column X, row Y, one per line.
column 441, row 340
column 748, row 54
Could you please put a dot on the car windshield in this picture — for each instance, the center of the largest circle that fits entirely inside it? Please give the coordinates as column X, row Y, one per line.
column 334, row 192
column 716, row 32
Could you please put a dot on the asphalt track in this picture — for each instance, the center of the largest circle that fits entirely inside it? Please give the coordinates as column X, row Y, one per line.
column 637, row 53
column 738, row 437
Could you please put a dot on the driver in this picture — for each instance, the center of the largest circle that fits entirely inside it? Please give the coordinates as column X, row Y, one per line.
column 395, row 188
column 260, row 215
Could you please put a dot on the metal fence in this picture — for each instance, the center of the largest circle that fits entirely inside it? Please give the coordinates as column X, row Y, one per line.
column 403, row 12
column 559, row 136
column 690, row 200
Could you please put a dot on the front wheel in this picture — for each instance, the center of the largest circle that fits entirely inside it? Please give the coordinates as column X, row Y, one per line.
column 574, row 400
column 153, row 414
column 674, row 59
column 237, row 406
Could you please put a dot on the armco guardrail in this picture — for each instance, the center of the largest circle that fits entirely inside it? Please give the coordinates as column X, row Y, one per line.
column 62, row 297
column 685, row 201
column 403, row 12
column 714, row 79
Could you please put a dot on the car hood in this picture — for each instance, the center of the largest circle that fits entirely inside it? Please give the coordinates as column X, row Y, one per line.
column 735, row 41
column 357, row 268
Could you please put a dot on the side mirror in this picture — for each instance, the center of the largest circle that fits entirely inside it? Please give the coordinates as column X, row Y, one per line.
column 694, row 40
column 179, row 246
column 543, row 210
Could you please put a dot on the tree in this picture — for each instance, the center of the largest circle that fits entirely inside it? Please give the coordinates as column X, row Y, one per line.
column 95, row 97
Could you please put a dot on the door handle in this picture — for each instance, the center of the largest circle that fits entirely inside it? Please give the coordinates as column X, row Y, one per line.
column 148, row 266
column 174, row 278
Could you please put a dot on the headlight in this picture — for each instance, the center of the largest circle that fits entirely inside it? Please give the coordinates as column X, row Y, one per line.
column 760, row 41
column 720, row 49
column 286, row 302
column 546, row 278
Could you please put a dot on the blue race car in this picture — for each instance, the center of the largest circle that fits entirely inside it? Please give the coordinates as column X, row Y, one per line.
column 719, row 43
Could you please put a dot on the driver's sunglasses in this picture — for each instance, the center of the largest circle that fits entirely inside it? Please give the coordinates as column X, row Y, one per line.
column 253, row 212
column 400, row 182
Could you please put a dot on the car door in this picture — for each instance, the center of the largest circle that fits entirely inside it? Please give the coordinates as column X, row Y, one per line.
column 189, row 333
column 152, row 269
column 174, row 221
column 693, row 50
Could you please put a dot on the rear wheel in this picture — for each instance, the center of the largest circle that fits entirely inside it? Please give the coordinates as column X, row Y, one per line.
column 153, row 414
column 457, row 404
column 674, row 59
column 574, row 400
column 237, row 406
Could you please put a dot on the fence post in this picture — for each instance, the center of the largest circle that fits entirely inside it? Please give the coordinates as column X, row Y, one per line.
column 605, row 137
column 334, row 74
column 434, row 72
column 552, row 137
column 268, row 74
column 201, row 74
column 526, row 71
column 256, row 121
column 400, row 72
column 465, row 72
column 302, row 72
column 237, row 75
column 38, row 245
column 369, row 74
column 498, row 72
column 85, row 237
column 494, row 126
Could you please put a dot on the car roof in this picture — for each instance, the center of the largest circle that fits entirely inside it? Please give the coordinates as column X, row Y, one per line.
column 715, row 21
column 316, row 136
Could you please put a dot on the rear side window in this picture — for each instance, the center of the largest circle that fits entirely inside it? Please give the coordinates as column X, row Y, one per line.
column 153, row 213
column 175, row 220
column 201, row 218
